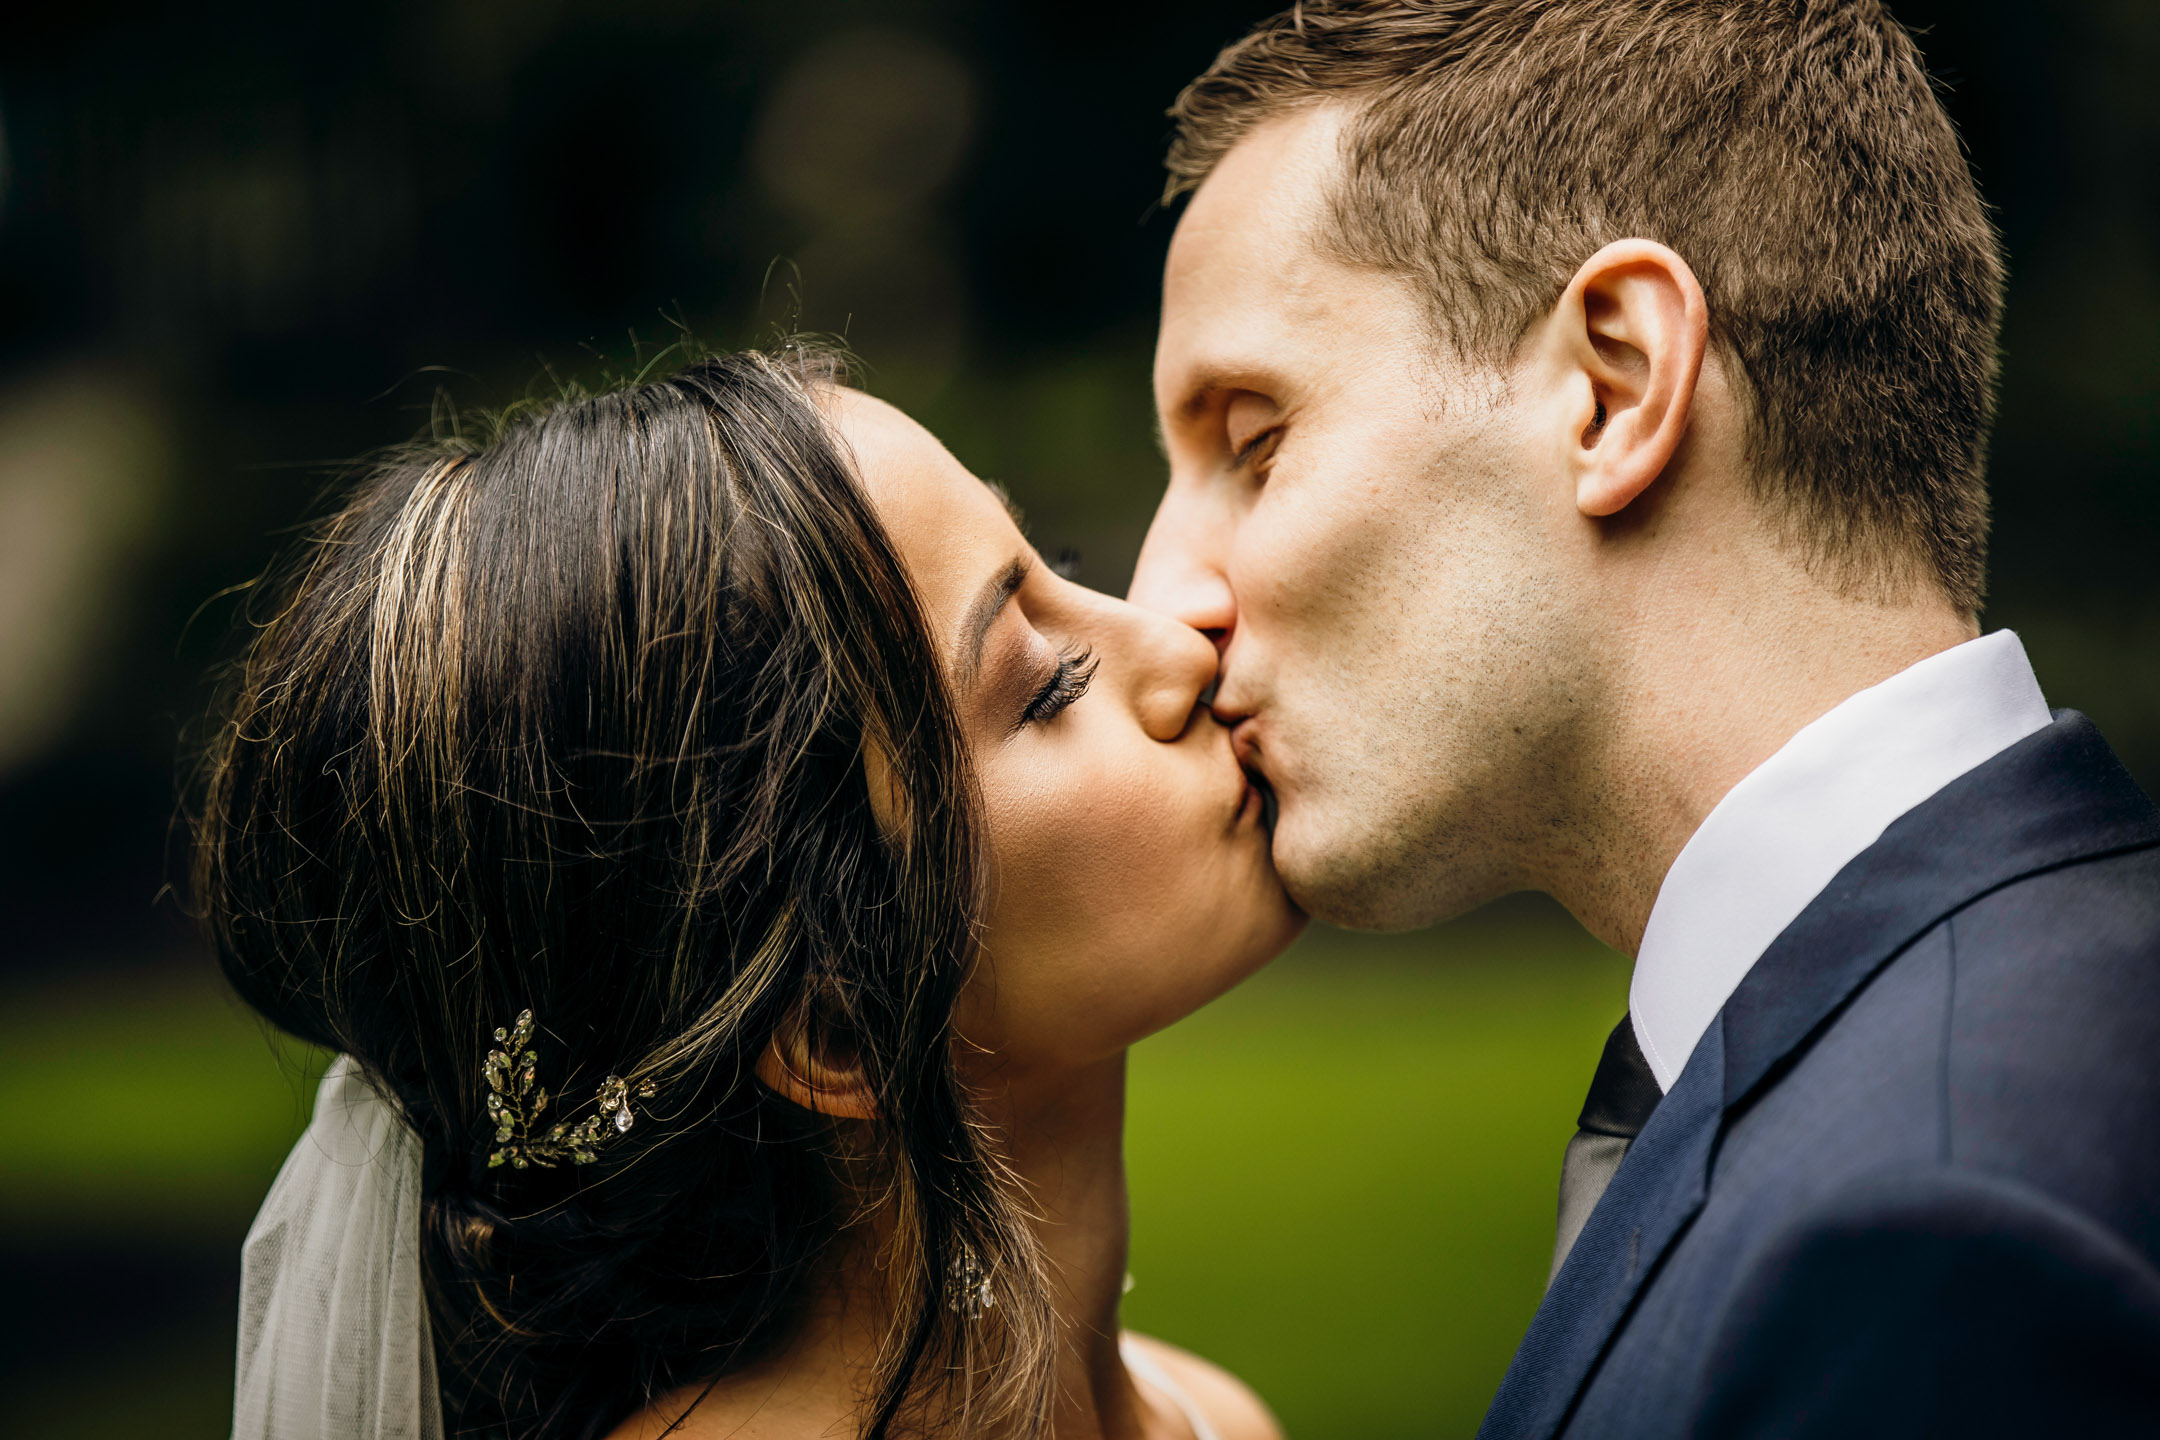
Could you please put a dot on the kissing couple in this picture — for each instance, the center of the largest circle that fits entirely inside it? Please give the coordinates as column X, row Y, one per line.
column 731, row 866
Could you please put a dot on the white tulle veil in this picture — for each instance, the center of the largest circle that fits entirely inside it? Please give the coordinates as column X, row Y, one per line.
column 334, row 1340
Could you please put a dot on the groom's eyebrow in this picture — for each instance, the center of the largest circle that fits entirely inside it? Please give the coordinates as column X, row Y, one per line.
column 984, row 612
column 1207, row 383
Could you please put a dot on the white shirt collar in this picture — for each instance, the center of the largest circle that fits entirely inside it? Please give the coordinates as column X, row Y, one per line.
column 1780, row 835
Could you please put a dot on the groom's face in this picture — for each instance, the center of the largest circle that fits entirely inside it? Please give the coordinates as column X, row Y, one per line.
column 1360, row 524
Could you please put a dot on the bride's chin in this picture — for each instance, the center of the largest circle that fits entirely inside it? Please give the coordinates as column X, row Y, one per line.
column 1269, row 882
column 1268, row 927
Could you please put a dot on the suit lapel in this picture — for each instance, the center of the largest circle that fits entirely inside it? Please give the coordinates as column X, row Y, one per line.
column 2054, row 798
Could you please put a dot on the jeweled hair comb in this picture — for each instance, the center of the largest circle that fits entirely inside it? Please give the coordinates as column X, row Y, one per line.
column 516, row 1100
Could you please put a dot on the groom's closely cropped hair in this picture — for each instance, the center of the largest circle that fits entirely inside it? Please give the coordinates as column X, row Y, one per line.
column 1843, row 248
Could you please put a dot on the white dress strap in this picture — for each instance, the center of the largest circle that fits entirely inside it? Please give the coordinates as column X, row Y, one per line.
column 1148, row 1368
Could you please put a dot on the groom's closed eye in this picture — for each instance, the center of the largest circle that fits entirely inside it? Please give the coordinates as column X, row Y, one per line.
column 1250, row 427
column 1256, row 450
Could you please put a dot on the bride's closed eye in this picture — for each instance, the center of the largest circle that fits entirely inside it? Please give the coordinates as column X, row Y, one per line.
column 1067, row 683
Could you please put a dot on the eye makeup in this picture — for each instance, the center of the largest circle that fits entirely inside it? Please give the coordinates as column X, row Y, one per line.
column 1068, row 681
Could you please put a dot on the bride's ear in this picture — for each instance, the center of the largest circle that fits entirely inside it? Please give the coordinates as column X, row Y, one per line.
column 819, row 1072
column 888, row 798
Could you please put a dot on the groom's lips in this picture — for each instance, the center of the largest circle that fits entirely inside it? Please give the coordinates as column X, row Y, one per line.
column 1258, row 788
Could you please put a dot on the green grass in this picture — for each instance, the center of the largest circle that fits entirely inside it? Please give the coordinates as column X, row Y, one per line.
column 148, row 1100
column 1342, row 1175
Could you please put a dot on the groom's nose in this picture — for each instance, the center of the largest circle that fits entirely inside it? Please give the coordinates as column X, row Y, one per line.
column 1181, row 572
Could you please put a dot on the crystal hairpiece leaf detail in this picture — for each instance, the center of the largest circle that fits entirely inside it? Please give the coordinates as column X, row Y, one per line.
column 516, row 1101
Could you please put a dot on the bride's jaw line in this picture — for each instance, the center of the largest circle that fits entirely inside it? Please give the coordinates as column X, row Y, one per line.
column 1130, row 875
column 1129, row 855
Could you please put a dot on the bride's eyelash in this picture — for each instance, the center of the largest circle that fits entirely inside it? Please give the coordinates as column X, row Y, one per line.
column 1075, row 670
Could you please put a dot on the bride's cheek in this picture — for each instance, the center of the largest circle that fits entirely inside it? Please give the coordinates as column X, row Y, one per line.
column 1046, row 849
column 1110, row 840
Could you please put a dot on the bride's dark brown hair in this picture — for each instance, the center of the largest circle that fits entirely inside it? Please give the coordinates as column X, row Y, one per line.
column 575, row 719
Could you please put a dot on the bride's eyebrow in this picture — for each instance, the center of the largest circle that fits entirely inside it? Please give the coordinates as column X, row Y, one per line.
column 984, row 612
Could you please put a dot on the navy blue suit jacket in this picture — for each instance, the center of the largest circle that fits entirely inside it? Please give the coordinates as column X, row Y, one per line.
column 1909, row 1182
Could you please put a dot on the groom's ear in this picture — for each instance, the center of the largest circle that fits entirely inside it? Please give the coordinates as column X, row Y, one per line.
column 1629, row 334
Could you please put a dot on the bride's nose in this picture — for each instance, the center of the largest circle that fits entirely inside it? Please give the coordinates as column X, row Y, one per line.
column 1174, row 666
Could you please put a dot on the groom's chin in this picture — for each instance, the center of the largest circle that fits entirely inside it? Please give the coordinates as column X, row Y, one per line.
column 1345, row 878
column 1329, row 882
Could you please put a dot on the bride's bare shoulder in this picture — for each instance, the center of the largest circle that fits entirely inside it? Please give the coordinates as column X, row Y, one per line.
column 1228, row 1402
column 764, row 1405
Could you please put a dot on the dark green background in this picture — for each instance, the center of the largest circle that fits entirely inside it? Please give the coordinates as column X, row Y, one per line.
column 1342, row 1174
column 242, row 242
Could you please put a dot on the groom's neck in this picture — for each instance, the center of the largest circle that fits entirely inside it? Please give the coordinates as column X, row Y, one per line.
column 1729, row 652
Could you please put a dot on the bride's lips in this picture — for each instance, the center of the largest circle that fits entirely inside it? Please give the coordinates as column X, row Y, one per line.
column 1258, row 802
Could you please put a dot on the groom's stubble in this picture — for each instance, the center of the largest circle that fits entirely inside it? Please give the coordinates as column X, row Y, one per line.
column 1565, row 404
column 1406, row 665
column 1462, row 673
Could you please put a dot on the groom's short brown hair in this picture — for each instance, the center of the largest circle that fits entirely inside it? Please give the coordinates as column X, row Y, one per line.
column 1792, row 151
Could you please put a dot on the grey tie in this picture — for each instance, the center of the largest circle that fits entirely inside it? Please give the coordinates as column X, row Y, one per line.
column 1622, row 1095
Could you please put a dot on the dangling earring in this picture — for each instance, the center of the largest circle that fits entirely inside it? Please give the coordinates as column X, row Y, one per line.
column 971, row 1293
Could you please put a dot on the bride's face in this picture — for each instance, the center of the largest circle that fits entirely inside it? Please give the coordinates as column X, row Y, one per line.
column 1130, row 878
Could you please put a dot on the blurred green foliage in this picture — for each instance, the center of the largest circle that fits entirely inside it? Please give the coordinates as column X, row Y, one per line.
column 149, row 1101
column 1341, row 1173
